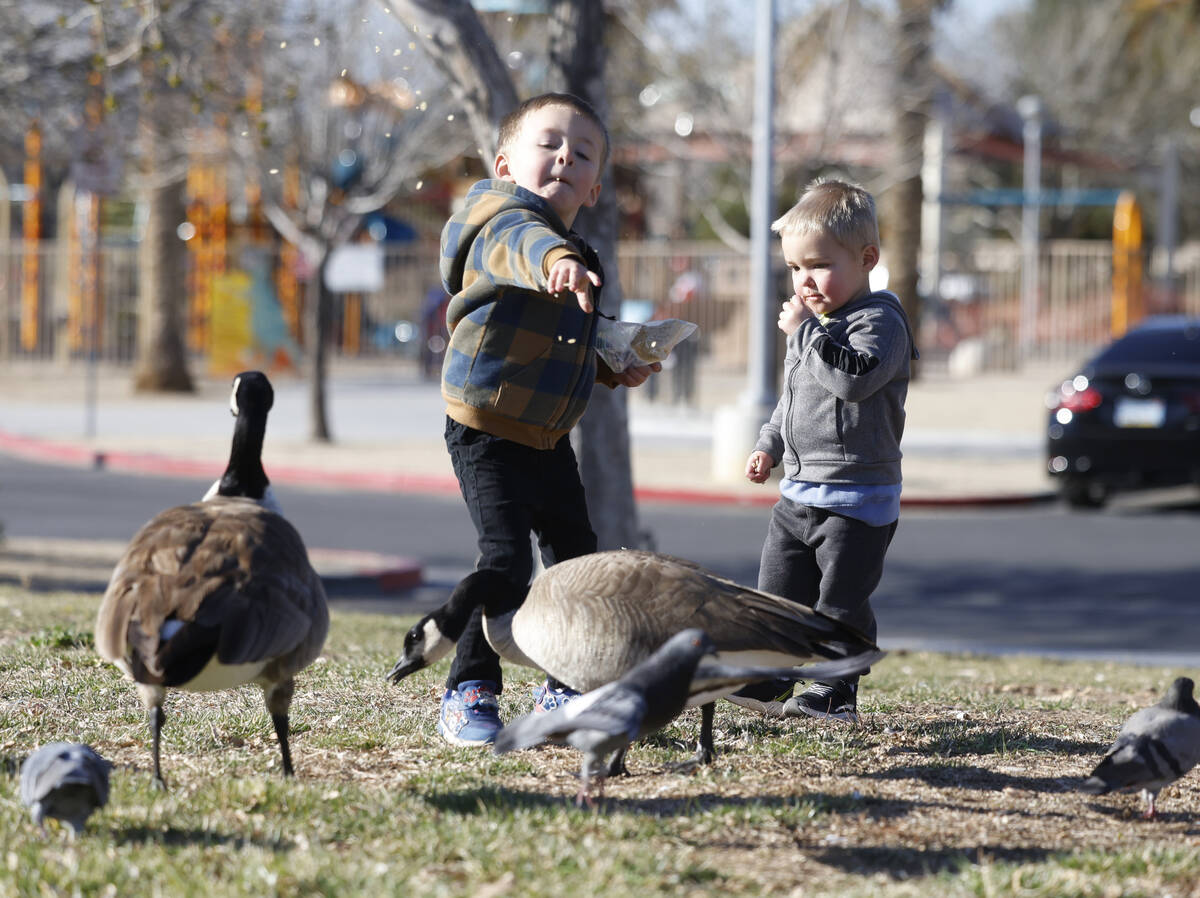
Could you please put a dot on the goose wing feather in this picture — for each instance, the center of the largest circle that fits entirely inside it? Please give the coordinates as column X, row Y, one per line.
column 235, row 576
column 715, row 679
column 634, row 601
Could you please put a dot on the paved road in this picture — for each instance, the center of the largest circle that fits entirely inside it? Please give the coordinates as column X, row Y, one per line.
column 1117, row 583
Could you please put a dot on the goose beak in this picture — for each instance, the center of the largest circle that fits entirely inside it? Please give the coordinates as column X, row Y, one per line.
column 406, row 666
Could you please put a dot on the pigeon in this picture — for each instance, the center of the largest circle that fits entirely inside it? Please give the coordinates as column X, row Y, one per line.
column 604, row 721
column 1155, row 747
column 66, row 781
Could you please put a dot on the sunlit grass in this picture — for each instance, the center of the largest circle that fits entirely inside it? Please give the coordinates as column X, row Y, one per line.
column 959, row 781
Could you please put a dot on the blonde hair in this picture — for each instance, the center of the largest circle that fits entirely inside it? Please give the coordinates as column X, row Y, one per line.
column 844, row 211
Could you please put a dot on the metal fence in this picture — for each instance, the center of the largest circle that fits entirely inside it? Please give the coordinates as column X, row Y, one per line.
column 707, row 283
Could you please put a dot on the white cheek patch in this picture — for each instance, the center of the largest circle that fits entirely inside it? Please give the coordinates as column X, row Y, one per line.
column 436, row 645
column 233, row 404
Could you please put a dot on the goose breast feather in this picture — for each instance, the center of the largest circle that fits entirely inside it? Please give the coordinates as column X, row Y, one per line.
column 233, row 575
column 632, row 601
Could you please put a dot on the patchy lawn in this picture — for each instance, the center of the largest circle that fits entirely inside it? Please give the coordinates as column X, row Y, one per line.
column 960, row 781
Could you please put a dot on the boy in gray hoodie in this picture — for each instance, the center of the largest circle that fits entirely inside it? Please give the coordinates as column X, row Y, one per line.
column 836, row 428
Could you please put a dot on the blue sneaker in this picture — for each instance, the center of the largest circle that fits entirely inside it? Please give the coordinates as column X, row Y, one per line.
column 547, row 699
column 470, row 714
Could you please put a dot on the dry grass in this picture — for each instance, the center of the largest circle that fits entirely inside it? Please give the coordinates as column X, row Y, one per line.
column 959, row 781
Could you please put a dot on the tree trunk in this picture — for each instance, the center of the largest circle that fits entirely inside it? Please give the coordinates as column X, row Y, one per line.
column 162, row 301
column 902, row 208
column 602, row 438
column 318, row 323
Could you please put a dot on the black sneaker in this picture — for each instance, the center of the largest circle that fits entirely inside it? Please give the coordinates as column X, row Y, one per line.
column 765, row 698
column 837, row 700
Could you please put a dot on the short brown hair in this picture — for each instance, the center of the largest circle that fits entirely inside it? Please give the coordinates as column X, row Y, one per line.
column 510, row 125
column 843, row 210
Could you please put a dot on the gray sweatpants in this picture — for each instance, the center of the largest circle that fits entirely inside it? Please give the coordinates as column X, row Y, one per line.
column 824, row 560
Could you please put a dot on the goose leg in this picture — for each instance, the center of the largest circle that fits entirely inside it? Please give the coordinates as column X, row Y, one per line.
column 281, row 730
column 616, row 765
column 704, row 747
column 157, row 717
column 279, row 699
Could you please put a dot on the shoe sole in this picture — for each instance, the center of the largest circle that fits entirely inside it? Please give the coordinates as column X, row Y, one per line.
column 767, row 709
column 795, row 709
column 449, row 737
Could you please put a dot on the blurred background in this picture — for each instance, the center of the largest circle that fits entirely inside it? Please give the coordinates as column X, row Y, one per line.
column 204, row 186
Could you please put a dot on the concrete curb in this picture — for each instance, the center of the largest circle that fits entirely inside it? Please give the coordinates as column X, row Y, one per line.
column 82, row 565
column 53, row 452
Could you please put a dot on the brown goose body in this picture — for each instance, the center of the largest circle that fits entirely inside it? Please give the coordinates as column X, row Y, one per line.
column 588, row 620
column 213, row 595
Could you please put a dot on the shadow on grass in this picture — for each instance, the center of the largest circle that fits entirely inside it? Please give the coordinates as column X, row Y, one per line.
column 957, row 776
column 1128, row 808
column 898, row 862
column 145, row 835
column 492, row 798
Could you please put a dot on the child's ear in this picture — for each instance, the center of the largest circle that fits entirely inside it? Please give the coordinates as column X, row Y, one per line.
column 500, row 167
column 593, row 195
column 870, row 256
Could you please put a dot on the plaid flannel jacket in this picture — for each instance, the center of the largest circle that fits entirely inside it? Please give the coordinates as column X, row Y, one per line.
column 521, row 363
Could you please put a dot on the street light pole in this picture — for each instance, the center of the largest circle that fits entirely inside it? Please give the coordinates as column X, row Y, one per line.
column 1030, row 108
column 760, row 366
column 735, row 427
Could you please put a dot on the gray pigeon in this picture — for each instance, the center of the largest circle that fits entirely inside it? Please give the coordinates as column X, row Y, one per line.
column 650, row 695
column 1155, row 747
column 66, row 781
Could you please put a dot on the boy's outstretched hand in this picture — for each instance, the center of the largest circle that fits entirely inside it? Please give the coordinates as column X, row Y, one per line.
column 572, row 275
column 758, row 467
column 636, row 375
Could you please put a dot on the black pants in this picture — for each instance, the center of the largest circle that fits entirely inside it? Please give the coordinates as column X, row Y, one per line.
column 824, row 560
column 511, row 491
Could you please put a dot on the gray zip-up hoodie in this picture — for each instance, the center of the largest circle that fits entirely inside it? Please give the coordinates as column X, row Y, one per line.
column 841, row 413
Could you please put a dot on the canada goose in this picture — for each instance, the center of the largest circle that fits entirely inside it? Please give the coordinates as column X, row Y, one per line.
column 642, row 701
column 1155, row 747
column 218, row 593
column 66, row 781
column 588, row 620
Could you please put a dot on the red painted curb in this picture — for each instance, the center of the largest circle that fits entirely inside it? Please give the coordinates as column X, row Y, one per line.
column 46, row 451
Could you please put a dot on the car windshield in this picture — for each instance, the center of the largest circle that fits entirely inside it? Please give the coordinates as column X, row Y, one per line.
column 1154, row 344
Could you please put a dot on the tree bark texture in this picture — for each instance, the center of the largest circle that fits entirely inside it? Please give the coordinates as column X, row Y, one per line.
column 318, row 324
column 902, row 210
column 162, row 298
column 577, row 53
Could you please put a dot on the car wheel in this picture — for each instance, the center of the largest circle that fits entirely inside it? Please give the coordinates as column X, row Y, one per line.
column 1080, row 493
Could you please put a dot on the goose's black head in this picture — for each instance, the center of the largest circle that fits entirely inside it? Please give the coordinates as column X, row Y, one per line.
column 431, row 638
column 250, row 400
column 252, row 395
column 424, row 644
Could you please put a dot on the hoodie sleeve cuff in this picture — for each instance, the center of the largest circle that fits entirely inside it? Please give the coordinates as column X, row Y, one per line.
column 554, row 255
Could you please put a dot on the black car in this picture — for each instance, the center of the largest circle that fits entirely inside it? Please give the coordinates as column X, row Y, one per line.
column 1131, row 417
